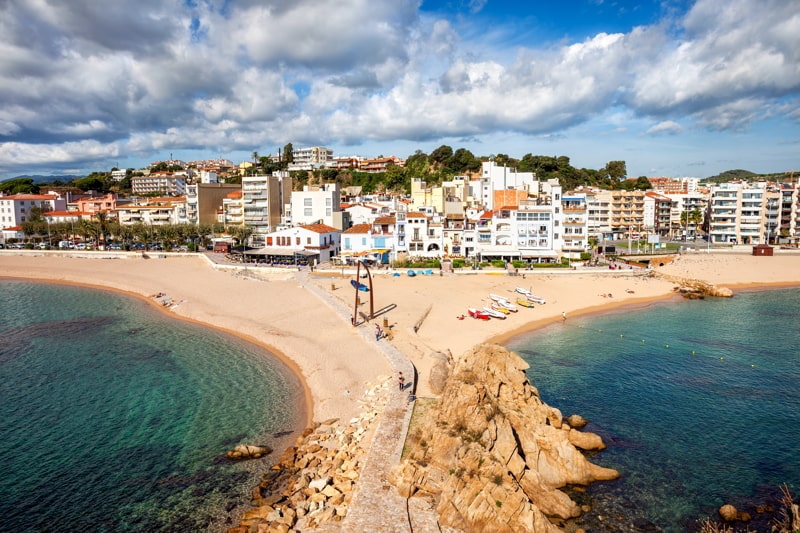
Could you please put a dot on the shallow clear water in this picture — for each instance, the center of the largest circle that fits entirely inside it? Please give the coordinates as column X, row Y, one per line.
column 698, row 401
column 115, row 417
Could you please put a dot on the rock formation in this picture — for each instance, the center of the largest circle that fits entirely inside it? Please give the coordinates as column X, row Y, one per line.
column 249, row 451
column 492, row 455
column 695, row 289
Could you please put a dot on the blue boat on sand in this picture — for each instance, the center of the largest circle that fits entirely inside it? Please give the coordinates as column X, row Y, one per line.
column 359, row 286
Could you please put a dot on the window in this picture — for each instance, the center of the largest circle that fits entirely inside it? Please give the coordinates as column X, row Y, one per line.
column 308, row 201
column 297, row 241
column 308, row 240
column 328, row 202
column 308, row 211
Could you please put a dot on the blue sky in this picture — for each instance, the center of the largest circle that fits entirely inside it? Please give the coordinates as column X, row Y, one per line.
column 673, row 87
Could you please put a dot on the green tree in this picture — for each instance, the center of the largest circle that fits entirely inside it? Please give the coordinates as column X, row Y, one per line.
column 441, row 155
column 616, row 170
column 463, row 161
column 395, row 179
column 288, row 153
column 19, row 186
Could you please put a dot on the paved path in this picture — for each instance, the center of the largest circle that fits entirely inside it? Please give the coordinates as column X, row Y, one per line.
column 377, row 507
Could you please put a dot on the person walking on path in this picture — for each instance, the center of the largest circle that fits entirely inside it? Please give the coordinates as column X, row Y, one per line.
column 402, row 381
column 378, row 332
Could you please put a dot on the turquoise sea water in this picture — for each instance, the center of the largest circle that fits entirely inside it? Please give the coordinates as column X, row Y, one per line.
column 698, row 402
column 114, row 417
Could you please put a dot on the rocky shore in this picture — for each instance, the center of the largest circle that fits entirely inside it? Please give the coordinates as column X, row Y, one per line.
column 312, row 482
column 491, row 456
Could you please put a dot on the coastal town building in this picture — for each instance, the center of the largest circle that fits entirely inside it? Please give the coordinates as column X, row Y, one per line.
column 301, row 245
column 155, row 212
column 576, row 225
column 232, row 211
column 657, row 213
column 265, row 200
column 318, row 206
column 17, row 209
column 92, row 204
column 737, row 213
column 627, row 214
column 161, row 183
column 204, row 201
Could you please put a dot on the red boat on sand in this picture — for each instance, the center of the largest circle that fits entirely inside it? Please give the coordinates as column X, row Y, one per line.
column 477, row 313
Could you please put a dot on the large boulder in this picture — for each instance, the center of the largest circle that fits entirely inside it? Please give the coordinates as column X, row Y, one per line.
column 492, row 455
column 249, row 451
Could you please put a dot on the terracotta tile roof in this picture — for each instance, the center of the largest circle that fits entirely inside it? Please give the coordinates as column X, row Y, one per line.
column 29, row 197
column 385, row 220
column 416, row 214
column 320, row 228
column 359, row 228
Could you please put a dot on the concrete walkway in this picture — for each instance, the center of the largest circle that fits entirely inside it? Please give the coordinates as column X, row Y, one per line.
column 377, row 506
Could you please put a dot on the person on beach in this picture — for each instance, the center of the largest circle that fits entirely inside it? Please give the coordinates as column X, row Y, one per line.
column 378, row 332
column 402, row 381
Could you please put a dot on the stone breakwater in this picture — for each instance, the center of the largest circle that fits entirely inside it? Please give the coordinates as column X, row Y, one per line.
column 313, row 481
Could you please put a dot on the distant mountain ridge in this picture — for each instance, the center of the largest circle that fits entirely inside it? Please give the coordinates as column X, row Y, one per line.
column 740, row 174
column 38, row 178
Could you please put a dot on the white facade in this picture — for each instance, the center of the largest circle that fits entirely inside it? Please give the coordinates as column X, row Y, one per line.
column 496, row 178
column 737, row 213
column 158, row 184
column 317, row 206
column 17, row 209
column 264, row 199
column 575, row 229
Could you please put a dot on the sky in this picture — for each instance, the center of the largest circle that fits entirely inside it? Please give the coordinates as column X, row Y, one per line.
column 672, row 87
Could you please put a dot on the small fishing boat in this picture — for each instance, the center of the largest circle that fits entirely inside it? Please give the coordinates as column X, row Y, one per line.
column 503, row 302
column 498, row 307
column 359, row 286
column 536, row 299
column 524, row 292
column 411, row 273
column 477, row 313
column 494, row 313
column 524, row 302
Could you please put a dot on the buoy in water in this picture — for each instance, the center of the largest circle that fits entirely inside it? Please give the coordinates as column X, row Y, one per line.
column 621, row 335
column 693, row 352
column 666, row 346
column 721, row 358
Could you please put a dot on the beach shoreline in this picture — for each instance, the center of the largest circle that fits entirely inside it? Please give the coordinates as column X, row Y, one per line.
column 424, row 315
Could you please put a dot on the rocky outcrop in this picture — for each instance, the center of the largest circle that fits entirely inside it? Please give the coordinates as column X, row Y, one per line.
column 312, row 483
column 249, row 451
column 492, row 455
column 697, row 289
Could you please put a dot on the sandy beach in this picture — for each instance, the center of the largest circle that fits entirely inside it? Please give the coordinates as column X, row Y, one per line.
column 337, row 361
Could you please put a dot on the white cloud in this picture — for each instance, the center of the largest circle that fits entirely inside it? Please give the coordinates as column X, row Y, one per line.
column 77, row 81
column 669, row 127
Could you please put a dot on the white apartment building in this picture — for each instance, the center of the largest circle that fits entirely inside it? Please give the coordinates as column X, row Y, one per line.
column 159, row 213
column 310, row 158
column 737, row 213
column 576, row 225
column 318, row 206
column 17, row 209
column 686, row 203
column 424, row 234
column 159, row 183
column 265, row 200
column 598, row 209
column 531, row 232
column 311, row 244
column 498, row 178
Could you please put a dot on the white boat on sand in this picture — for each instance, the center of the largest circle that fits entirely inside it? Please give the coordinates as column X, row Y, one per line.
column 494, row 313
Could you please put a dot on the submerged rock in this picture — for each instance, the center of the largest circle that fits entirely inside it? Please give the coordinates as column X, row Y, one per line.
column 249, row 451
